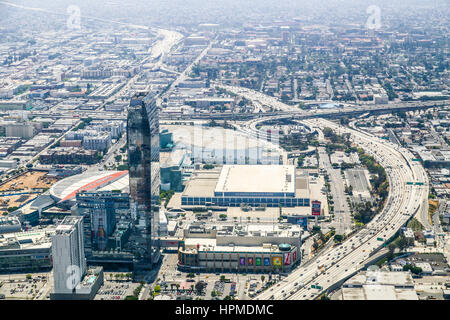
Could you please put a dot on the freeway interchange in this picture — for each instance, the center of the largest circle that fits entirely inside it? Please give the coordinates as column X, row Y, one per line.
column 338, row 263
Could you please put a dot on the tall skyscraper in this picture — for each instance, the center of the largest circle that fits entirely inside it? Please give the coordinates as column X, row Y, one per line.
column 69, row 262
column 143, row 162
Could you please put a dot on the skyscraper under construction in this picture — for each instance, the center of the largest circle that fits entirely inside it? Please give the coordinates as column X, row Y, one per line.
column 144, row 173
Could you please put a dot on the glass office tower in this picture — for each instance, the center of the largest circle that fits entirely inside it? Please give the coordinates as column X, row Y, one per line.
column 143, row 162
column 99, row 210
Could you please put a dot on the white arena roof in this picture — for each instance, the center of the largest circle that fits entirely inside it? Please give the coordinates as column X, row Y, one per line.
column 256, row 179
column 66, row 189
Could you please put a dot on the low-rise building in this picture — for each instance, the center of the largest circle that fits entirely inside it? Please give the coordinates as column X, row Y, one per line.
column 23, row 130
column 99, row 142
column 9, row 224
column 71, row 155
column 427, row 270
column 26, row 251
column 249, row 248
column 379, row 285
column 8, row 164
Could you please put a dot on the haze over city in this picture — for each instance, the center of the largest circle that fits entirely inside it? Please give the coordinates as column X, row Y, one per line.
column 224, row 150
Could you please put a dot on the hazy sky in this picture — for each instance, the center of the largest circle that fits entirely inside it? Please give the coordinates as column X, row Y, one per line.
column 181, row 12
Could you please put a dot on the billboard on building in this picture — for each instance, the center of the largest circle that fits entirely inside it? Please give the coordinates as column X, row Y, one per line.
column 287, row 259
column 250, row 261
column 294, row 256
column 258, row 261
column 242, row 261
column 276, row 261
column 315, row 207
column 266, row 261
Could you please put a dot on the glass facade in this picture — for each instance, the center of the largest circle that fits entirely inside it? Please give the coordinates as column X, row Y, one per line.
column 25, row 259
column 99, row 216
column 251, row 201
column 144, row 170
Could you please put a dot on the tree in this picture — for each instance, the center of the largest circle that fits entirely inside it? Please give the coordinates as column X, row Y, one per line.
column 300, row 160
column 390, row 254
column 315, row 245
column 338, row 238
column 402, row 242
column 324, row 297
column 413, row 269
column 29, row 277
column 315, row 229
column 263, row 278
column 200, row 286
column 157, row 288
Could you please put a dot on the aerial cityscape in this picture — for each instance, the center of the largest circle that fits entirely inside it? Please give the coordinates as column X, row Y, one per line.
column 225, row 150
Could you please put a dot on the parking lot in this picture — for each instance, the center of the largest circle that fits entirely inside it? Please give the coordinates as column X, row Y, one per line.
column 186, row 290
column 116, row 290
column 22, row 289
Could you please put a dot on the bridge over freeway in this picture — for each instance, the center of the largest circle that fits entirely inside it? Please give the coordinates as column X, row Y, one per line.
column 301, row 114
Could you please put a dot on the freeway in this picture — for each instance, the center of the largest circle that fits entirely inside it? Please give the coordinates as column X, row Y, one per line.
column 260, row 98
column 334, row 265
column 185, row 74
column 257, row 117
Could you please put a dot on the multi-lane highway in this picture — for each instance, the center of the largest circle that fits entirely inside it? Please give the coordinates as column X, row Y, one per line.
column 185, row 74
column 260, row 99
column 337, row 263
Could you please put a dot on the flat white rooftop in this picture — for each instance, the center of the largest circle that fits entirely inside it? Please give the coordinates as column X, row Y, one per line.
column 256, row 179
